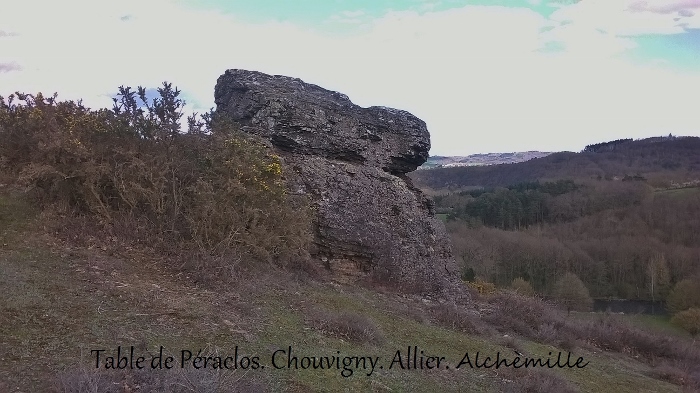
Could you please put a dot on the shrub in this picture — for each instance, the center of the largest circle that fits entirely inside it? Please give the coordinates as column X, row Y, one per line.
column 209, row 191
column 468, row 274
column 572, row 293
column 679, row 373
column 615, row 334
column 521, row 314
column 688, row 320
column 522, row 287
column 347, row 325
column 456, row 317
column 685, row 295
column 483, row 287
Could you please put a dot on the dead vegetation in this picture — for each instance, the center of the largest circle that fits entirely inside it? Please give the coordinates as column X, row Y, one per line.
column 347, row 325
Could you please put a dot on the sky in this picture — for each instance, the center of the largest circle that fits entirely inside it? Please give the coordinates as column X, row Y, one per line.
column 486, row 76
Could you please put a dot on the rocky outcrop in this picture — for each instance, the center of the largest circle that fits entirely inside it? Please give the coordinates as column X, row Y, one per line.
column 371, row 222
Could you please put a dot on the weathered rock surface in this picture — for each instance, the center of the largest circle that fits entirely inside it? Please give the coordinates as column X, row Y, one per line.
column 371, row 223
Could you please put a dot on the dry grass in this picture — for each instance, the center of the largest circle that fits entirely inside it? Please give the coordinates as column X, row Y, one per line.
column 70, row 297
column 347, row 325
column 456, row 317
column 537, row 381
column 676, row 359
column 82, row 380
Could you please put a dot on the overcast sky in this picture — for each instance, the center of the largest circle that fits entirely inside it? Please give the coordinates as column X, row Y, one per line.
column 486, row 76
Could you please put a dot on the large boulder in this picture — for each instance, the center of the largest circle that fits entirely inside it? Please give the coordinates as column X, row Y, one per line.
column 371, row 223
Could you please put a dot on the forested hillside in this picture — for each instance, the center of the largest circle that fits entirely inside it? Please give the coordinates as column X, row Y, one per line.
column 622, row 216
column 662, row 161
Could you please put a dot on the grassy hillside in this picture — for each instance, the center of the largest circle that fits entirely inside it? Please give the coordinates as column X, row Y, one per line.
column 60, row 302
column 138, row 258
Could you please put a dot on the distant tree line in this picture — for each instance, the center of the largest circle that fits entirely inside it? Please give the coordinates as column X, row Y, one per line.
column 633, row 248
column 650, row 158
column 605, row 146
column 515, row 207
column 616, row 219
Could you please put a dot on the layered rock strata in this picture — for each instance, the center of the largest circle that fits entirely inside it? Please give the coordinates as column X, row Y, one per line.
column 371, row 223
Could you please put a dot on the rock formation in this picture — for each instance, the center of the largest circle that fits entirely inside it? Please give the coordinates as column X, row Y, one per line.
column 371, row 222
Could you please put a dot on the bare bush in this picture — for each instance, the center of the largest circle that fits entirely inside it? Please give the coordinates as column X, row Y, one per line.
column 83, row 381
column 347, row 325
column 162, row 381
column 175, row 380
column 522, row 287
column 684, row 374
column 457, row 317
column 521, row 314
column 612, row 333
column 688, row 320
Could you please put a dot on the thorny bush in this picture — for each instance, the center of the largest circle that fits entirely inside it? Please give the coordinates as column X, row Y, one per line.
column 210, row 191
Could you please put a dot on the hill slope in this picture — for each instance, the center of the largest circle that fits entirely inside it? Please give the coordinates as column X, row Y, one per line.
column 481, row 159
column 662, row 161
column 622, row 216
column 135, row 258
column 61, row 302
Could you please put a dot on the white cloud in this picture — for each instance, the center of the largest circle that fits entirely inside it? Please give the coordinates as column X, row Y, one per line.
column 474, row 74
column 630, row 17
column 692, row 21
column 9, row 67
column 90, row 56
column 664, row 6
column 581, row 40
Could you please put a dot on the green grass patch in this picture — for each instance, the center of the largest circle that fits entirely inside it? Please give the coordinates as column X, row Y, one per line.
column 657, row 323
column 654, row 323
column 679, row 192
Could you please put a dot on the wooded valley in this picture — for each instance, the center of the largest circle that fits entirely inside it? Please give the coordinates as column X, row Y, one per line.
column 622, row 216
